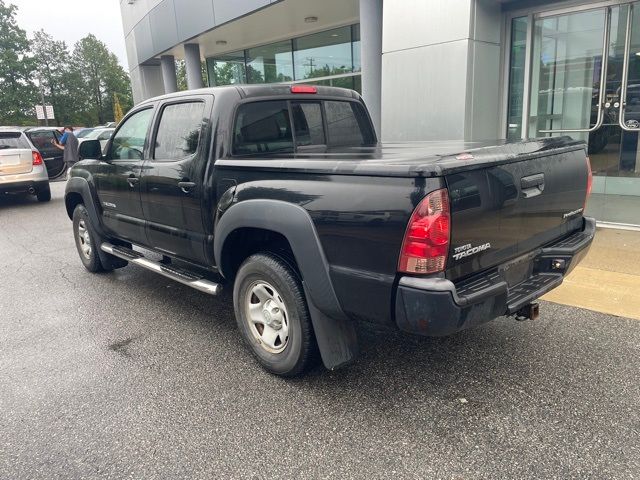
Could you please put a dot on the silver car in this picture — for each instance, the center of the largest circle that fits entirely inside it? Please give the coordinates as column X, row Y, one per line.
column 22, row 168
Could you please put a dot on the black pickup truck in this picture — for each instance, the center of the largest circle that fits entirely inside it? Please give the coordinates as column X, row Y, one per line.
column 284, row 193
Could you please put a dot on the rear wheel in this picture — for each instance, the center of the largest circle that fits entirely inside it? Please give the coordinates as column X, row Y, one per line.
column 44, row 194
column 272, row 315
column 87, row 241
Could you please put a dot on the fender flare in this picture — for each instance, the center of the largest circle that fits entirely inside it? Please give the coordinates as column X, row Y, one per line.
column 334, row 331
column 80, row 186
column 295, row 224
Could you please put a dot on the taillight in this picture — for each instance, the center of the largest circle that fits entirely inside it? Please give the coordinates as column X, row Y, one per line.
column 303, row 89
column 37, row 158
column 589, row 182
column 426, row 241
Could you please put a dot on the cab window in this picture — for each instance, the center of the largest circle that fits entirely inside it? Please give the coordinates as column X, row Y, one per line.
column 128, row 141
column 179, row 131
column 262, row 127
column 347, row 125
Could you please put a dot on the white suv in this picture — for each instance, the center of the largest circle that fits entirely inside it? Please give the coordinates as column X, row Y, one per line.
column 21, row 166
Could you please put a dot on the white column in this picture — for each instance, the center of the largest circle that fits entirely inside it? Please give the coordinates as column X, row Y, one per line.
column 371, row 55
column 169, row 78
column 193, row 66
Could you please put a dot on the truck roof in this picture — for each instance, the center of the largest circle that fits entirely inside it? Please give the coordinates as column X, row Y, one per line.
column 259, row 90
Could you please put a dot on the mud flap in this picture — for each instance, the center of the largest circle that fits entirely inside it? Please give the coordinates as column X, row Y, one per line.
column 337, row 339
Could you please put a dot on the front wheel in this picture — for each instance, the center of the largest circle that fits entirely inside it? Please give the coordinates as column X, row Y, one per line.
column 272, row 315
column 87, row 241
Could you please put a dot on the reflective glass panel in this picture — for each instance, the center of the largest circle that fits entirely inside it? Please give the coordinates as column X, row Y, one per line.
column 323, row 54
column 516, row 77
column 270, row 63
column 227, row 69
column 355, row 32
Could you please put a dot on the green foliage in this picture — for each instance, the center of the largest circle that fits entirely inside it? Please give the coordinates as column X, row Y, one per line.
column 82, row 85
column 17, row 89
column 102, row 77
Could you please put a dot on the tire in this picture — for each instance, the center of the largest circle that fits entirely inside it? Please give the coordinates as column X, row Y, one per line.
column 44, row 194
column 270, row 285
column 87, row 240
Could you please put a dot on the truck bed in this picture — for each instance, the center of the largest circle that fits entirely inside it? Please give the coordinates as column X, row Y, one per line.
column 416, row 159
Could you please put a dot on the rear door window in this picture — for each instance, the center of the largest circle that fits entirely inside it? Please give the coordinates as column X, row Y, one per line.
column 179, row 131
column 42, row 140
column 347, row 125
column 13, row 140
column 262, row 127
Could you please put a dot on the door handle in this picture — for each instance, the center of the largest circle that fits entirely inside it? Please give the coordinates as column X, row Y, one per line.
column 132, row 181
column 533, row 185
column 186, row 186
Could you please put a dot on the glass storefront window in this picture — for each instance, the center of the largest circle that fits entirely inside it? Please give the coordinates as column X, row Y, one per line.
column 227, row 69
column 323, row 54
column 355, row 47
column 328, row 55
column 270, row 63
column 516, row 77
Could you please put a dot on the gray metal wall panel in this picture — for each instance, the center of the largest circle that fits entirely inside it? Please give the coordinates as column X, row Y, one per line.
column 416, row 23
column 424, row 92
column 164, row 31
column 487, row 21
column 193, row 17
column 484, row 92
column 225, row 10
column 143, row 40
column 132, row 54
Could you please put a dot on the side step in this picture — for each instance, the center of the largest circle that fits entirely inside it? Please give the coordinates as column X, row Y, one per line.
column 179, row 275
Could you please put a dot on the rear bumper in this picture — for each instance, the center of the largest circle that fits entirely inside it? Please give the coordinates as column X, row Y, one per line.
column 36, row 179
column 437, row 306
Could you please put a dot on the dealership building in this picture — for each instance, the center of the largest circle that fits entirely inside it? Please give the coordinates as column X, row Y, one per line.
column 427, row 69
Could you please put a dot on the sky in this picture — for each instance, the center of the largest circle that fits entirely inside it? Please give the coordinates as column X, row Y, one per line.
column 70, row 21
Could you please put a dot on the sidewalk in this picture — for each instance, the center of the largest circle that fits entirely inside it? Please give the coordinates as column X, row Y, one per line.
column 608, row 279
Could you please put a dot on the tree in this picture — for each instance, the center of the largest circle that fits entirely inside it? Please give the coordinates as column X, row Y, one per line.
column 18, row 92
column 59, row 83
column 102, row 77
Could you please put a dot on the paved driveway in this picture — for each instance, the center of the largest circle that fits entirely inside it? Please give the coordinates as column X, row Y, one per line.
column 129, row 375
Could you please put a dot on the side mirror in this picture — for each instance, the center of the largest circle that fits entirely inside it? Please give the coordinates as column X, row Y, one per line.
column 90, row 149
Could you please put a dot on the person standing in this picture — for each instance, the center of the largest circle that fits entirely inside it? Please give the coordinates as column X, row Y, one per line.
column 69, row 144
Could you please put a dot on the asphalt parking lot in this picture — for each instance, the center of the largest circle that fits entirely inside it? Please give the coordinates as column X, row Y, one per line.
column 129, row 375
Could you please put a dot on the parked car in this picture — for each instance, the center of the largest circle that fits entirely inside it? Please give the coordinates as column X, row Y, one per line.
column 41, row 137
column 22, row 168
column 83, row 132
column 284, row 194
column 101, row 134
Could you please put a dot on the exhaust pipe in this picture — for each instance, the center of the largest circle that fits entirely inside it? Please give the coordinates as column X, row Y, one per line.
column 528, row 312
column 32, row 191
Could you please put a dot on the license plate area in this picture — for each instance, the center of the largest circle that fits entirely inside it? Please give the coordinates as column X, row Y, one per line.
column 518, row 270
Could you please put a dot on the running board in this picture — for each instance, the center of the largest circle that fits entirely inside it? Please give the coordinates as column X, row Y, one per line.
column 179, row 275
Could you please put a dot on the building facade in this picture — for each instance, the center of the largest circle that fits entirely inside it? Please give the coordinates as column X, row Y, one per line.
column 428, row 69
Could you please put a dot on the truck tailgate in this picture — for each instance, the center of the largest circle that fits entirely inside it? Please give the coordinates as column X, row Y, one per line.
column 503, row 212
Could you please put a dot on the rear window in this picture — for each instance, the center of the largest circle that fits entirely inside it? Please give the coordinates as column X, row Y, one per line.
column 347, row 125
column 13, row 140
column 307, row 121
column 262, row 127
